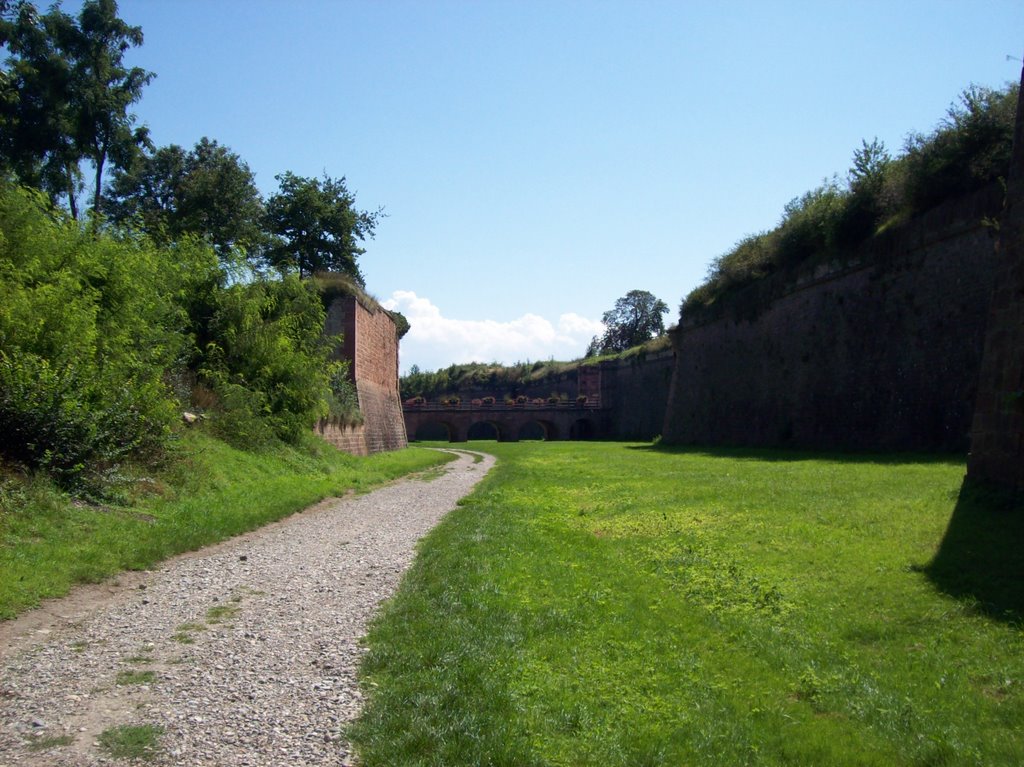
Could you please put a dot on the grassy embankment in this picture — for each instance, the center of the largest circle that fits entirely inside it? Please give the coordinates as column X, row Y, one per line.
column 610, row 604
column 208, row 491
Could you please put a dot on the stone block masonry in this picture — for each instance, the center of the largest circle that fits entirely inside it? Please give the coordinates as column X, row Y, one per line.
column 370, row 341
column 347, row 438
column 880, row 352
column 997, row 434
column 636, row 392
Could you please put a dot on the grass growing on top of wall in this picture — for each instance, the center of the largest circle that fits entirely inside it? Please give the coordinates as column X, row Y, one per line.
column 208, row 492
column 968, row 150
column 612, row 604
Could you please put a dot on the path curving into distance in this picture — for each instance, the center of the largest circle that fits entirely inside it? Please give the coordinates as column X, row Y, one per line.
column 244, row 653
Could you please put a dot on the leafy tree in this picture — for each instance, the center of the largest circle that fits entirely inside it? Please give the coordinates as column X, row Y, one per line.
column 207, row 191
column 104, row 89
column 636, row 318
column 65, row 95
column 36, row 113
column 869, row 164
column 865, row 204
column 148, row 193
column 90, row 335
column 317, row 226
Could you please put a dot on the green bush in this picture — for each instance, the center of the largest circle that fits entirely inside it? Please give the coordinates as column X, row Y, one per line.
column 343, row 399
column 102, row 335
column 268, row 360
column 239, row 417
column 88, row 329
column 73, row 423
column 970, row 148
column 810, row 225
column 752, row 257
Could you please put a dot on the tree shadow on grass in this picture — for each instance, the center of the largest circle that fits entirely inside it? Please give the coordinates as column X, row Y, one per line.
column 981, row 556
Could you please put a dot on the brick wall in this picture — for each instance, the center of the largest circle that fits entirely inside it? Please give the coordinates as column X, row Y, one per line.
column 348, row 439
column 879, row 352
column 371, row 343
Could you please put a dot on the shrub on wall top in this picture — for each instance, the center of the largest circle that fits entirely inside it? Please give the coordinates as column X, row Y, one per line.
column 968, row 150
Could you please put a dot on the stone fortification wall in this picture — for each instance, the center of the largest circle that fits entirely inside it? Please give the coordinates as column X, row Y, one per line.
column 370, row 341
column 629, row 395
column 348, row 439
column 879, row 352
column 997, row 435
column 636, row 390
column 997, row 438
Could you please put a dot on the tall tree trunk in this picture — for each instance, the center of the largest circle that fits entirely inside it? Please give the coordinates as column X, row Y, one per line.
column 72, row 202
column 100, row 160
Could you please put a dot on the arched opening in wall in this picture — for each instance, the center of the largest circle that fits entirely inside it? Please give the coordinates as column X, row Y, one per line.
column 482, row 430
column 544, row 430
column 434, row 431
column 582, row 429
column 533, row 431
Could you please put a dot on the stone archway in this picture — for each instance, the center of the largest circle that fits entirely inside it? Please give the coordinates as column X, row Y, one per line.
column 583, row 428
column 507, row 423
column 483, row 430
column 533, row 430
column 539, row 429
column 433, row 431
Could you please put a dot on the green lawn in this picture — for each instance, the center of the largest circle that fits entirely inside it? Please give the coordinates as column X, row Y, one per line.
column 611, row 604
column 208, row 491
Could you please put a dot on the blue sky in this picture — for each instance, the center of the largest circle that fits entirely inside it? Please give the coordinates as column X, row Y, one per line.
column 538, row 160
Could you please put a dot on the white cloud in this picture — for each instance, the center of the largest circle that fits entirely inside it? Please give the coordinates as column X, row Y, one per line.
column 435, row 341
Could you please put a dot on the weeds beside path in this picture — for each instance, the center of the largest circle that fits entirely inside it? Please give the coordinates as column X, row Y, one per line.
column 610, row 604
column 209, row 492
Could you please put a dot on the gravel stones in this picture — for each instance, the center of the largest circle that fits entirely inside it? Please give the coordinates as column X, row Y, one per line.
column 252, row 645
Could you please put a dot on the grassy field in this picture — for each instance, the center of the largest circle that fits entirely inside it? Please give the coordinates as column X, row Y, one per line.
column 207, row 492
column 612, row 604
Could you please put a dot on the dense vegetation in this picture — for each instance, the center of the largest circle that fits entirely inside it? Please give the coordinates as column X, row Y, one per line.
column 88, row 328
column 611, row 604
column 65, row 97
column 477, row 375
column 104, row 337
column 968, row 150
column 175, row 286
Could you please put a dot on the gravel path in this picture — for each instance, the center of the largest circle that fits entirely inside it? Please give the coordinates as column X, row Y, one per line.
column 244, row 653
